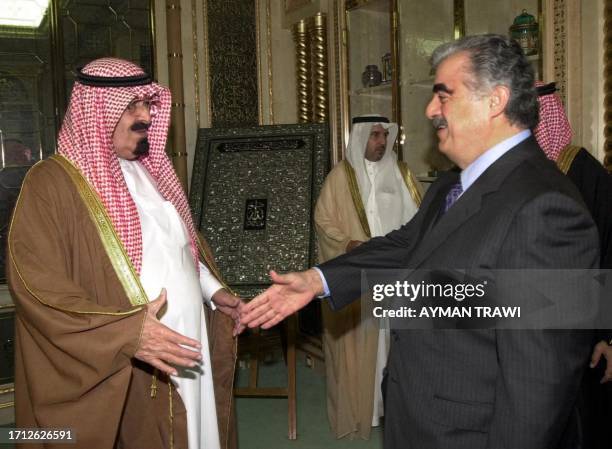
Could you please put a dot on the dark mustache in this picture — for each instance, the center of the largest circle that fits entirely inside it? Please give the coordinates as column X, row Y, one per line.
column 438, row 121
column 140, row 126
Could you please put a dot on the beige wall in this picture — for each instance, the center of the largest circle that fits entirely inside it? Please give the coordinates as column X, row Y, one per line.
column 281, row 65
column 276, row 64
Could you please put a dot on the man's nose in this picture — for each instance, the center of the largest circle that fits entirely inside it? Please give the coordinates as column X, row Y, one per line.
column 433, row 108
column 143, row 113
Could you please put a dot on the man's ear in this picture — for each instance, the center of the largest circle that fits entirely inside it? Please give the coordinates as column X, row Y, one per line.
column 498, row 100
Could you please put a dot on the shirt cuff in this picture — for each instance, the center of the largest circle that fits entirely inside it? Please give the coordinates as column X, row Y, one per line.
column 209, row 285
column 325, row 286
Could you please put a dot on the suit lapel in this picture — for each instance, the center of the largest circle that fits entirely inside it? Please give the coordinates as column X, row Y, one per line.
column 435, row 233
column 433, row 212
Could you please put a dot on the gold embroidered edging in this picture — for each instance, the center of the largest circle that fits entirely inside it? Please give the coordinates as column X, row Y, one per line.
column 567, row 156
column 411, row 183
column 354, row 189
column 171, row 414
column 114, row 248
column 30, row 291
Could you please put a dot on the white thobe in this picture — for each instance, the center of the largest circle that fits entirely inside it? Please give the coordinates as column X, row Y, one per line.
column 382, row 352
column 167, row 262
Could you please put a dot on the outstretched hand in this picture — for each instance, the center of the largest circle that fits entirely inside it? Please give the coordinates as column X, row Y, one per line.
column 162, row 347
column 289, row 293
column 232, row 306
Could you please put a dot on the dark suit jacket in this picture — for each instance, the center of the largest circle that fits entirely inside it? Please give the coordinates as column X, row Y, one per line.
column 472, row 389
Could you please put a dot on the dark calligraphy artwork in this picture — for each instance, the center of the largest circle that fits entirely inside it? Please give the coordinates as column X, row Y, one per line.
column 255, row 212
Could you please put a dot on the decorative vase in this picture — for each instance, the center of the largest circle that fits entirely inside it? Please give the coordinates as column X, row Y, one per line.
column 371, row 76
column 525, row 31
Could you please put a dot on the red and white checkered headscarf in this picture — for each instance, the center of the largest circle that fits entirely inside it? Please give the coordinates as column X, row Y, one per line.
column 553, row 132
column 86, row 140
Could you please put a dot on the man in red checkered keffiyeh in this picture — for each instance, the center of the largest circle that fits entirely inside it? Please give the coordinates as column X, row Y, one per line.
column 97, row 232
column 553, row 132
column 92, row 152
column 554, row 135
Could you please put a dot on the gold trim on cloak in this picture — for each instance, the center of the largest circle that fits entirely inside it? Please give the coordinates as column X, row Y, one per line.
column 411, row 182
column 567, row 156
column 110, row 240
column 354, row 189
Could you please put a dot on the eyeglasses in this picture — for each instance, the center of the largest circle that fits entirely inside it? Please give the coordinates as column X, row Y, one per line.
column 135, row 104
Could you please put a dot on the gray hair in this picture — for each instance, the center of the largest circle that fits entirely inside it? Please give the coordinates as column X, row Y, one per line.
column 497, row 60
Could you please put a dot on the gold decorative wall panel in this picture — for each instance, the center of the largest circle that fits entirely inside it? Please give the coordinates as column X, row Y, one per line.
column 303, row 74
column 233, row 62
column 608, row 86
column 196, row 69
column 177, row 141
column 458, row 18
column 560, row 50
column 318, row 42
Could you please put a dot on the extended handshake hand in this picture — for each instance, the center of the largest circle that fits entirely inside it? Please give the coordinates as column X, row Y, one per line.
column 289, row 293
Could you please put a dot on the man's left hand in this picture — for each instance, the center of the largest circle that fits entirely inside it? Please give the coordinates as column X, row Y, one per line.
column 603, row 348
column 231, row 306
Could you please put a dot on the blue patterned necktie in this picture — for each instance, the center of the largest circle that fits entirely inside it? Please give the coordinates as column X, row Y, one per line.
column 455, row 191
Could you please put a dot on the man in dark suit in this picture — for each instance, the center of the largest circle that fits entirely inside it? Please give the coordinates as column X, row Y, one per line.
column 509, row 208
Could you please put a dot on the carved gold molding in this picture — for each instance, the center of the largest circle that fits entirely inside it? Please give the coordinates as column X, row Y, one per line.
column 318, row 42
column 336, row 118
column 269, row 55
column 302, row 56
column 608, row 86
column 206, row 63
column 260, row 109
column 458, row 18
column 263, row 42
column 196, row 69
column 559, row 27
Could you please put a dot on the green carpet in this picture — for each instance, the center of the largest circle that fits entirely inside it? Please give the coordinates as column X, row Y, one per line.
column 262, row 422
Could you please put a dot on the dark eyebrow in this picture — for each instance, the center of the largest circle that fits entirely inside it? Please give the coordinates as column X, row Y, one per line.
column 441, row 87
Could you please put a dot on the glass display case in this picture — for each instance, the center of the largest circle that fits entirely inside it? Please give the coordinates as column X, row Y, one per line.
column 370, row 71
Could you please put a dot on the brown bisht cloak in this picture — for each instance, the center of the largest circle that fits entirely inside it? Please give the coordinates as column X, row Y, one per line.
column 79, row 314
column 350, row 344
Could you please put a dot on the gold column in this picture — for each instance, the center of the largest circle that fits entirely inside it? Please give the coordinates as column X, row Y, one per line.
column 608, row 86
column 318, row 42
column 175, row 78
column 458, row 18
column 302, row 57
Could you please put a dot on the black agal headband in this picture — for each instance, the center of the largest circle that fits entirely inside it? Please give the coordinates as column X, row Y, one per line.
column 546, row 89
column 370, row 119
column 106, row 81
